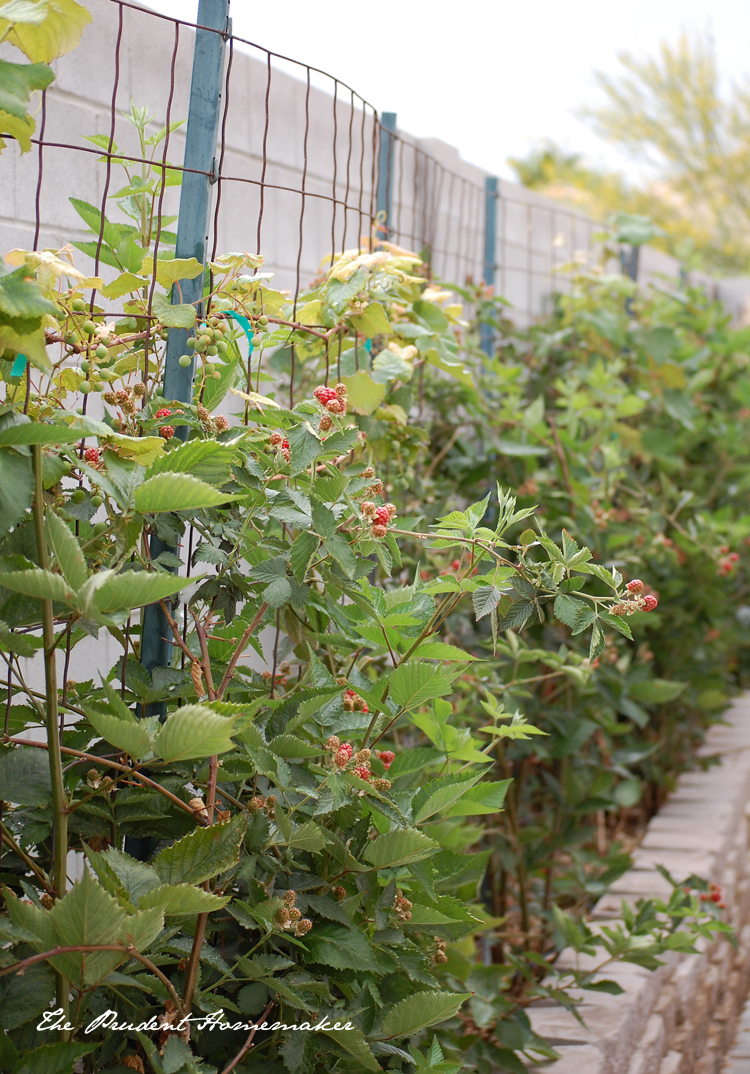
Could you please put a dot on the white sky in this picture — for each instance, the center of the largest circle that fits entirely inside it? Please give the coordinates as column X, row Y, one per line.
column 492, row 77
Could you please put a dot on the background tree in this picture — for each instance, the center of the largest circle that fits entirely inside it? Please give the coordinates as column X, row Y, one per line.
column 668, row 113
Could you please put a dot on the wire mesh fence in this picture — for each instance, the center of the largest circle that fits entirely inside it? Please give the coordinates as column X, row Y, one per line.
column 297, row 174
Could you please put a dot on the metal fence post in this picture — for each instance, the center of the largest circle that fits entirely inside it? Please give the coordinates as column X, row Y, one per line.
column 487, row 332
column 192, row 241
column 385, row 169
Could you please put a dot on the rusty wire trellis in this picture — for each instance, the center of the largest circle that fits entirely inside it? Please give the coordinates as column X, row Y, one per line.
column 435, row 209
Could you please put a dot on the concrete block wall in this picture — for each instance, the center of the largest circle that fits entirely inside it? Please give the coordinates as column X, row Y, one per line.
column 682, row 1018
column 321, row 130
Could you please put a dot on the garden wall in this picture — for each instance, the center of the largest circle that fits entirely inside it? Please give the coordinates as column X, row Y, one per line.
column 278, row 140
column 682, row 1018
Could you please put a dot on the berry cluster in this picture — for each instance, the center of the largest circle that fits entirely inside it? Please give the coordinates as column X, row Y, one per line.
column 402, row 906
column 387, row 757
column 338, row 893
column 440, row 956
column 378, row 517
column 93, row 456
column 342, row 752
column 208, row 342
column 289, row 917
column 165, row 431
column 713, row 895
column 267, row 804
column 279, row 680
column 727, row 561
column 333, row 399
column 276, row 440
column 637, row 602
column 354, row 703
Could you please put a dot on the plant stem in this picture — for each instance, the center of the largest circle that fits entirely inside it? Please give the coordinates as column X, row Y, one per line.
column 59, row 805
column 249, row 1042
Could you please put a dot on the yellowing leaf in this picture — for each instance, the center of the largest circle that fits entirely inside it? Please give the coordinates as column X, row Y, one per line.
column 372, row 322
column 168, row 271
column 392, row 412
column 60, row 32
column 365, row 395
column 123, row 285
column 672, row 375
column 311, row 313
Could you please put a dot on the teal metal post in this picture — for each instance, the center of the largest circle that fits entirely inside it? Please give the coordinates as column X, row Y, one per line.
column 487, row 333
column 385, row 169
column 192, row 241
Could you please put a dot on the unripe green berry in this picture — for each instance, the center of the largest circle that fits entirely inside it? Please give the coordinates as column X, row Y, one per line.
column 212, row 350
column 85, row 365
column 106, row 374
column 78, row 305
column 257, row 340
column 71, row 340
column 96, row 501
column 263, row 320
column 222, row 347
column 78, row 496
column 210, row 367
column 159, row 390
column 61, row 316
column 84, row 387
column 99, row 528
column 185, row 360
column 88, row 327
column 216, row 375
column 205, row 340
column 191, row 341
column 101, row 351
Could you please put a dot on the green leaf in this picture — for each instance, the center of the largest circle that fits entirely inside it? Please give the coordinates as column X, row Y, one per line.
column 338, row 547
column 372, row 321
column 303, row 549
column 67, row 550
column 87, row 915
column 194, row 731
column 440, row 650
column 413, row 760
column 176, row 492
column 134, row 589
column 334, row 945
column 22, row 303
column 290, row 746
column 304, row 446
column 25, row 776
column 512, row 447
column 128, row 735
column 16, row 488
column 353, row 1042
column 309, row 837
column 18, row 81
column 483, row 798
column 399, row 847
column 652, row 691
column 440, row 794
column 421, row 1010
column 202, row 854
column 125, row 283
column 568, row 609
column 414, row 682
column 365, row 396
column 172, row 270
column 37, row 583
column 182, row 899
column 58, row 1058
column 485, row 599
column 180, row 315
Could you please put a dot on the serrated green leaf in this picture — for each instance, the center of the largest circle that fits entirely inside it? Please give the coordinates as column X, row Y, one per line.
column 331, row 944
column 303, row 549
column 182, row 899
column 353, row 1042
column 171, row 270
column 134, row 589
column 37, row 583
column 179, row 315
column 194, row 731
column 177, row 492
column 66, row 549
column 413, row 683
column 421, row 1010
column 58, row 1058
column 202, row 854
column 485, row 599
column 128, row 735
column 480, row 799
column 440, row 794
column 399, row 847
column 25, row 776
column 87, row 915
column 568, row 609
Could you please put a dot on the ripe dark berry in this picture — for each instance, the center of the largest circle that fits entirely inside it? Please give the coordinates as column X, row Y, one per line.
column 166, row 431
